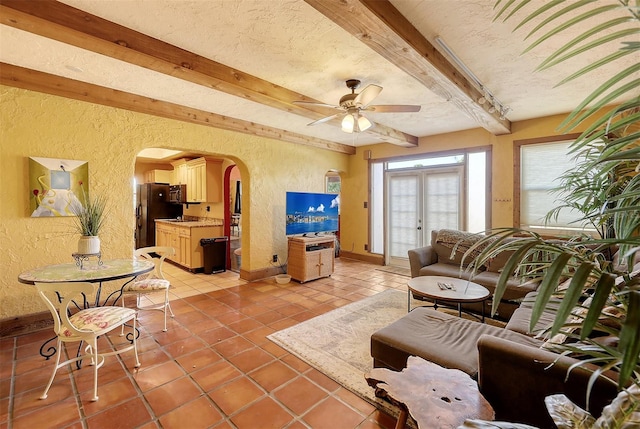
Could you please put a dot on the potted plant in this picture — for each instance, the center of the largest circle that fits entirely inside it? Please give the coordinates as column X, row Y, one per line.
column 90, row 216
column 604, row 187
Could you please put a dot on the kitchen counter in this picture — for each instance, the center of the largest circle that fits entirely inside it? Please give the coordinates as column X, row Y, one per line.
column 184, row 236
column 192, row 223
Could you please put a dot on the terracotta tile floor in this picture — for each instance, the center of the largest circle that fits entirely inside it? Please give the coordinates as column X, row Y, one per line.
column 214, row 368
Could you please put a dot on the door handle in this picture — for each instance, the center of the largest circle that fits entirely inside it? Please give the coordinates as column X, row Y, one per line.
column 419, row 228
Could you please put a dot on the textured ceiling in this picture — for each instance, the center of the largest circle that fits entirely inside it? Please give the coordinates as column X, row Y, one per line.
column 292, row 45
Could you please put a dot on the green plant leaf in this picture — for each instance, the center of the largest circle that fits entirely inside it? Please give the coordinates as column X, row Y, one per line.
column 541, row 10
column 508, row 270
column 602, row 124
column 516, row 9
column 598, row 301
column 605, row 26
column 587, row 47
column 607, row 121
column 548, row 286
column 604, row 61
column 629, row 343
column 571, row 295
column 571, row 121
column 566, row 24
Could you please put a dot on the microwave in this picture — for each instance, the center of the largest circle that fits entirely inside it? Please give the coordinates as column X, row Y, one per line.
column 178, row 194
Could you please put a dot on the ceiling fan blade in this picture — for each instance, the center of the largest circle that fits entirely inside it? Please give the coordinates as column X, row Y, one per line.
column 311, row 103
column 367, row 95
column 393, row 108
column 323, row 120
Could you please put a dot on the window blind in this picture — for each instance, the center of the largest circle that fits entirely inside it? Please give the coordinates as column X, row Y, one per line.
column 541, row 166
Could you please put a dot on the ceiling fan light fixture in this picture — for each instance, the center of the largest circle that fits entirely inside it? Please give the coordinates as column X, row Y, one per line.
column 348, row 123
column 363, row 123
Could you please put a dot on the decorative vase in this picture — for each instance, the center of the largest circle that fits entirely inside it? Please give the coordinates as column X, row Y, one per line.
column 89, row 245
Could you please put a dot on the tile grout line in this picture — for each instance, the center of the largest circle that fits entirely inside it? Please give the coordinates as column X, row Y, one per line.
column 76, row 392
column 134, row 383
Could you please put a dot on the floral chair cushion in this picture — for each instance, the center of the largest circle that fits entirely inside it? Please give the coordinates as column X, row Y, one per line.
column 147, row 285
column 97, row 319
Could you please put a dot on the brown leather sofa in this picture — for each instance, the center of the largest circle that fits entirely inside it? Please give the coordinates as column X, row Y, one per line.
column 513, row 368
column 436, row 260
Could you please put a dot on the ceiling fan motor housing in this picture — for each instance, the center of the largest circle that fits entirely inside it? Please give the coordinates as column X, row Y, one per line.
column 347, row 100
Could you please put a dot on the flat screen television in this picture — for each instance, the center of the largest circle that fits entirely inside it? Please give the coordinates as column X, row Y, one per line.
column 309, row 213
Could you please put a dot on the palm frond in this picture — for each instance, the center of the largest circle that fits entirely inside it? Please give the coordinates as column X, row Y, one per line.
column 550, row 62
column 567, row 24
column 604, row 186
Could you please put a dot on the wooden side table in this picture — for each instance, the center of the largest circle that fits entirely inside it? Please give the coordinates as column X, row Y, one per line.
column 435, row 397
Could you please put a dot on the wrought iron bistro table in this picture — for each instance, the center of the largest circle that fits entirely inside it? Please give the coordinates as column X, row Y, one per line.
column 93, row 272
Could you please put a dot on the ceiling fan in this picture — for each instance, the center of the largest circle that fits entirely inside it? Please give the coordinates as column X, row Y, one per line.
column 352, row 105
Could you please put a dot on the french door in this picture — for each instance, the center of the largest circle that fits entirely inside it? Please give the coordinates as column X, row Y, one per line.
column 417, row 202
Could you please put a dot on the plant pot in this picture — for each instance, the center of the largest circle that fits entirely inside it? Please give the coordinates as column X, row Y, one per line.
column 89, row 245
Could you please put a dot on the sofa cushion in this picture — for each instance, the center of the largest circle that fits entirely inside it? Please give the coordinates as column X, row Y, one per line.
column 442, row 269
column 441, row 338
column 445, row 240
column 521, row 318
column 516, row 289
column 496, row 263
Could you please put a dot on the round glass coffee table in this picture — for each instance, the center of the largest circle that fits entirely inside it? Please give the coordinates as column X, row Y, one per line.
column 449, row 290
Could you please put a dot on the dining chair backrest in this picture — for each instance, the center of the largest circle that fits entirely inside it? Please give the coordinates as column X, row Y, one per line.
column 58, row 297
column 148, row 253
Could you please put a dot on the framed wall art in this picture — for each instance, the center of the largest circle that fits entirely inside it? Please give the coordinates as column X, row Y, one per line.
column 57, row 186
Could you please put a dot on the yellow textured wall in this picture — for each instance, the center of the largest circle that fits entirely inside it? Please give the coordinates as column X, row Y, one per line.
column 354, row 218
column 34, row 124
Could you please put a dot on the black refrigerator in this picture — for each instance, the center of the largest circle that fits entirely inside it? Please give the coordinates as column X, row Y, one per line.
column 152, row 202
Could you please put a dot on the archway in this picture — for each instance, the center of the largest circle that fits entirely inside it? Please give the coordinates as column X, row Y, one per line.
column 233, row 216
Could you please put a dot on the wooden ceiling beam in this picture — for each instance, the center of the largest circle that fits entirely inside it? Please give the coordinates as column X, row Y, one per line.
column 58, row 21
column 379, row 25
column 32, row 80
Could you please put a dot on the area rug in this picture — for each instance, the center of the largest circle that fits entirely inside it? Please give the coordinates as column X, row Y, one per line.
column 337, row 343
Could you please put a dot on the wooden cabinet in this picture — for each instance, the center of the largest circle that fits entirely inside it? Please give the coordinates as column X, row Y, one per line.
column 186, row 240
column 168, row 235
column 158, row 176
column 179, row 172
column 163, row 234
column 183, row 247
column 204, row 180
column 310, row 257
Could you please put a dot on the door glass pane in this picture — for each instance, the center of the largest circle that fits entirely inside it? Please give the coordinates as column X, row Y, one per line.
column 476, row 192
column 403, row 214
column 376, row 208
column 442, row 200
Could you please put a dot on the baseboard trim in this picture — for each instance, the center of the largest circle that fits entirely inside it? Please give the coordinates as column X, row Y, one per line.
column 370, row 257
column 15, row 326
column 260, row 274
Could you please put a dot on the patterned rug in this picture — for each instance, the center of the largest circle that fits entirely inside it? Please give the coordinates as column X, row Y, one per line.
column 337, row 343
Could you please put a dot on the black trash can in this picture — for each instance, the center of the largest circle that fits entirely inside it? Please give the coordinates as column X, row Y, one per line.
column 214, row 251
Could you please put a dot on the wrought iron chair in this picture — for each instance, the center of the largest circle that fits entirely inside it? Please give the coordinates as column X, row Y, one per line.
column 154, row 282
column 83, row 325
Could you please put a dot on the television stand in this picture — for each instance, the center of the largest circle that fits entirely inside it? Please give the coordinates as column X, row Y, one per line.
column 311, row 258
